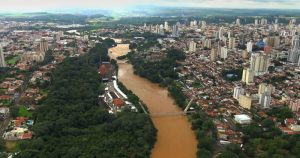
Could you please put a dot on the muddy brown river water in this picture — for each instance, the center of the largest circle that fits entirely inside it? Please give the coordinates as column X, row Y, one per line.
column 175, row 138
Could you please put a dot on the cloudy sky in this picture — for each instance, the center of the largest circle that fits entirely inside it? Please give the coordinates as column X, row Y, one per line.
column 39, row 5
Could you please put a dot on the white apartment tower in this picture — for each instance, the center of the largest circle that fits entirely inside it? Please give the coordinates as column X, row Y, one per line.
column 237, row 91
column 248, row 76
column 238, row 22
column 294, row 52
column 207, row 43
column 265, row 100
column 213, row 55
column 44, row 45
column 259, row 63
column 192, row 46
column 221, row 32
column 203, row 24
column 249, row 46
column 2, row 59
column 166, row 25
column 231, row 43
column 175, row 31
column 224, row 53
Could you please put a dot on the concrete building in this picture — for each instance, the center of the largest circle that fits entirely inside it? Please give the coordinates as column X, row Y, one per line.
column 221, row 32
column 276, row 26
column 245, row 54
column 231, row 43
column 224, row 53
column 295, row 105
column 259, row 63
column 249, row 46
column 263, row 21
column 245, row 101
column 175, row 31
column 43, row 45
column 33, row 57
column 157, row 29
column 207, row 43
column 294, row 52
column 242, row 119
column 238, row 22
column 256, row 22
column 161, row 30
column 2, row 59
column 266, row 88
column 213, row 55
column 273, row 41
column 166, row 26
column 192, row 46
column 248, row 76
column 237, row 91
column 203, row 25
column 265, row 100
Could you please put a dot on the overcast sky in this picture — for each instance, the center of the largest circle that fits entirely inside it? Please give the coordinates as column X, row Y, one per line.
column 40, row 5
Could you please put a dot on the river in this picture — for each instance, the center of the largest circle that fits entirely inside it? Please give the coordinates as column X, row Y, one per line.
column 175, row 138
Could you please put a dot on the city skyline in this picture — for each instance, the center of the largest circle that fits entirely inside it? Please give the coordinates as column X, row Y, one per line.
column 36, row 5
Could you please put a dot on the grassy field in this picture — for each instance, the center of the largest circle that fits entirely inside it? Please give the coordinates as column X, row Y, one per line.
column 23, row 112
column 11, row 146
column 14, row 60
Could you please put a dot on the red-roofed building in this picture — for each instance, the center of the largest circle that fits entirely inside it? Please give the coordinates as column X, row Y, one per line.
column 19, row 121
column 103, row 70
column 26, row 136
column 286, row 130
column 5, row 97
column 290, row 121
column 118, row 102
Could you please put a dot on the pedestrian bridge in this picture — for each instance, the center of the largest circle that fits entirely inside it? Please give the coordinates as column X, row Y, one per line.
column 165, row 114
column 170, row 114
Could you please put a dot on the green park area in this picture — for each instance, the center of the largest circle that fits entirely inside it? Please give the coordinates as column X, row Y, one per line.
column 23, row 112
column 11, row 146
column 13, row 60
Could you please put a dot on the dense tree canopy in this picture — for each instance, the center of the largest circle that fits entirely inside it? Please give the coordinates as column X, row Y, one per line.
column 70, row 123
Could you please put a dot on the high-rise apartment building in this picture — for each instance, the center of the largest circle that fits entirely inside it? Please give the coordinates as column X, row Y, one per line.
column 231, row 43
column 295, row 105
column 245, row 101
column 237, row 91
column 175, row 31
column 259, row 63
column 249, row 46
column 294, row 52
column 265, row 100
column 238, row 22
column 43, row 45
column 265, row 88
column 166, row 26
column 192, row 46
column 248, row 76
column 207, row 43
column 2, row 59
column 221, row 32
column 224, row 53
column 213, row 55
column 256, row 22
column 203, row 25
